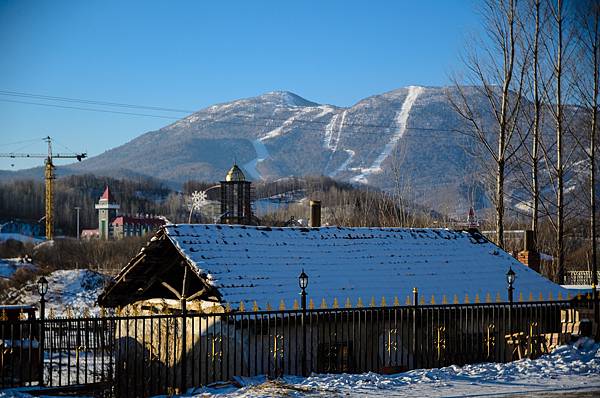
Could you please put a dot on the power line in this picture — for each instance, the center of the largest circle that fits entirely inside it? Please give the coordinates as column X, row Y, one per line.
column 92, row 102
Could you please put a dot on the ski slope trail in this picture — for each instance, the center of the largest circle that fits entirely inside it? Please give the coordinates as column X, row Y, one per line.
column 401, row 120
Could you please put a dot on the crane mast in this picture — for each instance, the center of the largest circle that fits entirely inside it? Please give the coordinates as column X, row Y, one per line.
column 49, row 178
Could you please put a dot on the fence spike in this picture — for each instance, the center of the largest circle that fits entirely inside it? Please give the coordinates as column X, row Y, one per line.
column 372, row 302
column 52, row 314
column 477, row 301
column 520, row 296
column 348, row 303
column 488, row 297
column 21, row 315
column 227, row 307
column 396, row 301
column 530, row 296
column 408, row 302
column 268, row 307
column 568, row 295
column 254, row 306
column 86, row 312
column 444, row 299
column 323, row 304
column 422, row 301
column 68, row 312
column 242, row 307
column 3, row 316
column 383, row 302
column 296, row 306
column 550, row 298
column 433, row 299
column 455, row 300
column 359, row 303
column 102, row 312
column 579, row 296
column 311, row 304
column 588, row 296
column 541, row 297
column 335, row 304
column 466, row 298
column 560, row 296
column 282, row 305
column 498, row 298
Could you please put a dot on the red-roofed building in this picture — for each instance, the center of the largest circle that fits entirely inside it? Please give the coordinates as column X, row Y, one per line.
column 111, row 225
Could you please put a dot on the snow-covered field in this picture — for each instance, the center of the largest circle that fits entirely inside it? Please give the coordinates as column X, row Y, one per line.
column 568, row 368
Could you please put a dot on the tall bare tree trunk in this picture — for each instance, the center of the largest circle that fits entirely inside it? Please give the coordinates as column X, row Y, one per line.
column 560, row 274
column 536, row 124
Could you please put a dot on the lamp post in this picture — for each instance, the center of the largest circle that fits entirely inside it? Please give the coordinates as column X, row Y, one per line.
column 510, row 278
column 42, row 290
column 303, row 282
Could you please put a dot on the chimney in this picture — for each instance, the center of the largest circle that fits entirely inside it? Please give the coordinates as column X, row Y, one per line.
column 530, row 256
column 315, row 213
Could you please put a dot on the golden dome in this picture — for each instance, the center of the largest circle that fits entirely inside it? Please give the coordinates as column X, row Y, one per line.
column 235, row 174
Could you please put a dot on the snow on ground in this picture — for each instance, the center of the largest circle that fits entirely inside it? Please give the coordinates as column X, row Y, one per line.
column 401, row 122
column 19, row 237
column 8, row 266
column 571, row 368
column 76, row 289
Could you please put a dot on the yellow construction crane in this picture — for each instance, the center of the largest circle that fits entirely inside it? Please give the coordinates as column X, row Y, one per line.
column 49, row 177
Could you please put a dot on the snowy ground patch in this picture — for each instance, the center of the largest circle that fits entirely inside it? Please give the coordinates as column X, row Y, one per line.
column 75, row 289
column 8, row 266
column 568, row 368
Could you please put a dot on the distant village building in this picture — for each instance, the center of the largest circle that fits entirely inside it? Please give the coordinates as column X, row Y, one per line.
column 114, row 226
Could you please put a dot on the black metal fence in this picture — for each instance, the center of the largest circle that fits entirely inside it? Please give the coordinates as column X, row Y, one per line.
column 142, row 355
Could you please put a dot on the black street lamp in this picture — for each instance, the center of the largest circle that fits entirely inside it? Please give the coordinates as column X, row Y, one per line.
column 42, row 285
column 510, row 278
column 303, row 283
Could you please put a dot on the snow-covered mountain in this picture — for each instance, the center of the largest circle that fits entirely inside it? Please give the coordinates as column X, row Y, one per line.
column 409, row 139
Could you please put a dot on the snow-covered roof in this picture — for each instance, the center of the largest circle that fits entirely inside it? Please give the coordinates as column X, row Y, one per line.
column 262, row 263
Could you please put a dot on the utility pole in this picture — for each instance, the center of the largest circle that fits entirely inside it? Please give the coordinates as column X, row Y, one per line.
column 78, row 233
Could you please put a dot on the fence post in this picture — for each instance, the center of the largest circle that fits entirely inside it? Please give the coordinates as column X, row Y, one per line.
column 183, row 344
column 303, row 323
column 414, row 327
column 41, row 343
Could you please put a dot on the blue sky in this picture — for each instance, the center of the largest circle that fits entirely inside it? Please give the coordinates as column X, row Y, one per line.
column 191, row 54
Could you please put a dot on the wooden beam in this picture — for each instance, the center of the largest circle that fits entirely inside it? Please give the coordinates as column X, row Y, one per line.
column 172, row 289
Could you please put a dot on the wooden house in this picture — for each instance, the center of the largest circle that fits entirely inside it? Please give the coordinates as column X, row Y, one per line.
column 215, row 269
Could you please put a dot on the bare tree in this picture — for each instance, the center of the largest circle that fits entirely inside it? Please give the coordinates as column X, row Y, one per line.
column 497, row 73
